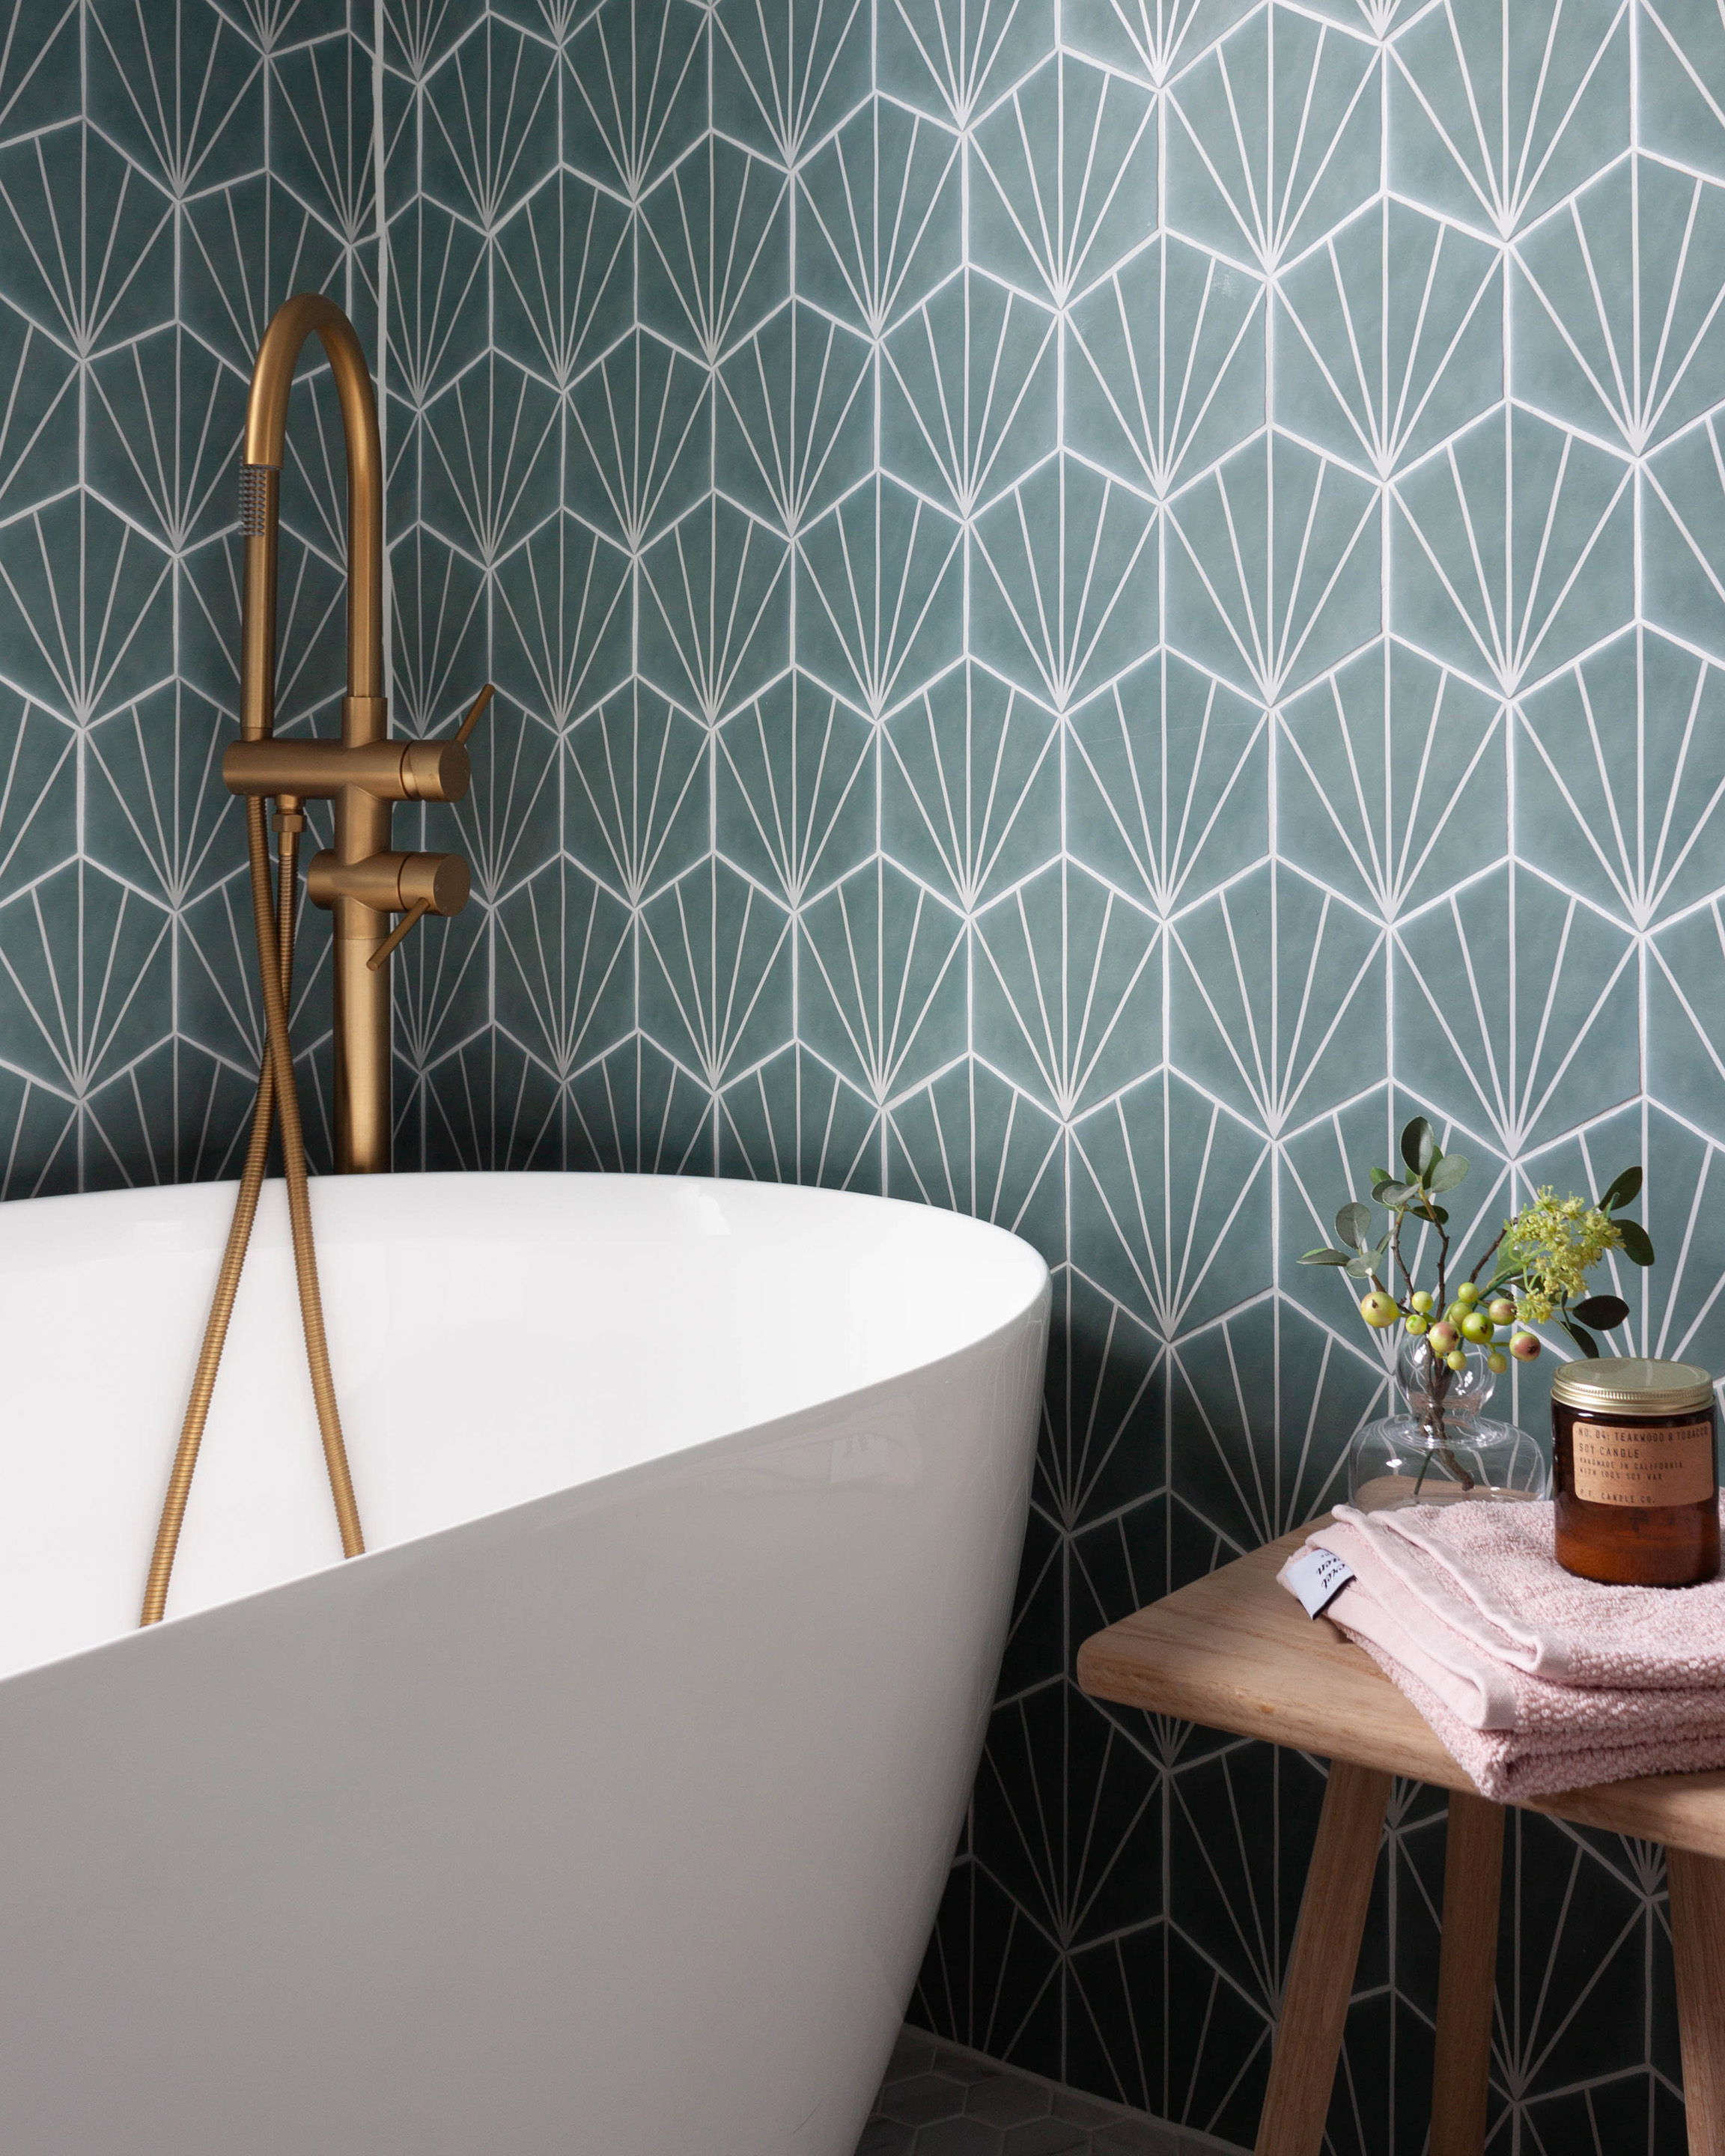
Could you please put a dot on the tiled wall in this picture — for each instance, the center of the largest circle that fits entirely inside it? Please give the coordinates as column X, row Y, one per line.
column 1093, row 601
column 168, row 170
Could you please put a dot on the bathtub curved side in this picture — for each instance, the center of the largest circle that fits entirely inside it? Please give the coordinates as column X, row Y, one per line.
column 613, row 1822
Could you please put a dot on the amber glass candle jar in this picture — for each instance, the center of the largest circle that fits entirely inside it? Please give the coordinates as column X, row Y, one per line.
column 1635, row 1469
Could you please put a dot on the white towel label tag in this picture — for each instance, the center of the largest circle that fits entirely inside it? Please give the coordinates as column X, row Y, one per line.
column 1317, row 1577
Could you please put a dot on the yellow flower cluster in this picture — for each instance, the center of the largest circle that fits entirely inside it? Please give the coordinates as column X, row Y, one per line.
column 1557, row 1241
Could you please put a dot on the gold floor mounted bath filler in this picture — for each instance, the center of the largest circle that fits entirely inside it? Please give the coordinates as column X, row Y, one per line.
column 359, row 879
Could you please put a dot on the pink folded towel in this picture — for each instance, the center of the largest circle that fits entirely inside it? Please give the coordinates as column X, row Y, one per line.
column 1534, row 1681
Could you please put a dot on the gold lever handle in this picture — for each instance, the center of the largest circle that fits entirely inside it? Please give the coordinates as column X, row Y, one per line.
column 472, row 719
column 417, row 912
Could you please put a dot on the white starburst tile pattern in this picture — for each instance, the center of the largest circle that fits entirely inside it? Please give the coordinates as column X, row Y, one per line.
column 1092, row 601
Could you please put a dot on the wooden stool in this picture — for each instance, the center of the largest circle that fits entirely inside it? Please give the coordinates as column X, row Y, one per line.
column 1237, row 1652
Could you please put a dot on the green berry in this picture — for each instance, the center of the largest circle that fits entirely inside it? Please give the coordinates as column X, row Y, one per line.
column 1503, row 1311
column 1379, row 1310
column 1422, row 1302
column 1458, row 1361
column 1416, row 1325
column 1497, row 1362
column 1444, row 1337
column 1467, row 1292
column 1524, row 1347
column 1478, row 1326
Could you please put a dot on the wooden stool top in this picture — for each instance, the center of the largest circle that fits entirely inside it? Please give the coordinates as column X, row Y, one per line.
column 1234, row 1651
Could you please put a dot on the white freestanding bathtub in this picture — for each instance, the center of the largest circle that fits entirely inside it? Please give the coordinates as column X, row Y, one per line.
column 603, row 1806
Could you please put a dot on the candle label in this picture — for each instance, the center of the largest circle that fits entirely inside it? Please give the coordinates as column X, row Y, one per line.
column 1629, row 1464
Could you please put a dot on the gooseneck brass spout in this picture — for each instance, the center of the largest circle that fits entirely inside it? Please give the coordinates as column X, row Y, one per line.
column 361, row 878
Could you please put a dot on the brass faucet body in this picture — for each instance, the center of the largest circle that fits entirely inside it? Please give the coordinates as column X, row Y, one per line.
column 361, row 878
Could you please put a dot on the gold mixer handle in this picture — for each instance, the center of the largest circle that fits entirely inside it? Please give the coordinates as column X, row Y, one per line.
column 472, row 719
column 417, row 912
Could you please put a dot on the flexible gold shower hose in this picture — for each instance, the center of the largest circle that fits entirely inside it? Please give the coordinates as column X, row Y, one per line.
column 277, row 1094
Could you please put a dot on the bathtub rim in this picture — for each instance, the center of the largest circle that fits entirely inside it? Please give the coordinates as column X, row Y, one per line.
column 618, row 1482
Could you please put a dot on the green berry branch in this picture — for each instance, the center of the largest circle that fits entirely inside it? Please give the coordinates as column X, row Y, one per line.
column 1539, row 1259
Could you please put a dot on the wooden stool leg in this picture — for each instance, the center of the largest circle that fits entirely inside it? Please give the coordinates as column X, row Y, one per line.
column 1473, row 1875
column 1314, row 2007
column 1697, row 1890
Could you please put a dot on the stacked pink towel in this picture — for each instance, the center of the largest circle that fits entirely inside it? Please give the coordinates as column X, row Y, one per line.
column 1534, row 1680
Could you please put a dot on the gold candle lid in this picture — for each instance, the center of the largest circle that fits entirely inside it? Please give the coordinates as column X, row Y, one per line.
column 1632, row 1385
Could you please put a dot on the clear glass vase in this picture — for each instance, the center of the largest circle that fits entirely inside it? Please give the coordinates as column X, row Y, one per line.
column 1399, row 1461
column 1437, row 1397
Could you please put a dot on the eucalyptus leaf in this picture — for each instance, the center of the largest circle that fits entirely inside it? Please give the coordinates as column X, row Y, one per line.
column 1637, row 1245
column 1362, row 1268
column 1392, row 1194
column 1354, row 1223
column 1624, row 1191
column 1328, row 1257
column 1419, row 1147
column 1604, row 1310
column 1585, row 1341
column 1381, row 1175
column 1448, row 1172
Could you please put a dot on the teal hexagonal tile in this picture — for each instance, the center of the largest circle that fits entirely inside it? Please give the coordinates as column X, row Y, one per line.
column 86, row 240
column 716, row 973
column 1067, row 989
column 38, row 794
column 243, row 250
column 565, row 982
column 882, row 986
column 1277, row 998
column 639, row 440
column 1273, row 566
column 562, row 284
column 636, row 793
column 40, row 71
column 1152, row 38
column 162, row 418
column 714, row 609
column 970, row 791
column 1171, row 1205
column 562, row 621
column 1620, row 778
column 636, row 1111
column 1681, row 111
column 795, row 1120
column 86, row 609
column 1064, row 590
column 489, row 473
column 1515, row 1009
column 634, row 90
column 1167, row 783
column 509, row 824
column 320, row 111
column 879, row 596
column 438, row 314
column 1165, row 366
column 794, row 418
column 38, row 433
column 795, row 780
column 787, row 73
column 1511, row 550
column 713, row 250
column 1273, row 138
column 971, row 1143
column 954, row 61
column 176, row 87
column 1617, row 326
column 1392, row 781
column 1063, row 179
column 1389, row 337
column 156, row 813
column 1492, row 121
column 490, row 130
column 438, row 640
column 969, row 393
column 879, row 217
column 85, row 977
